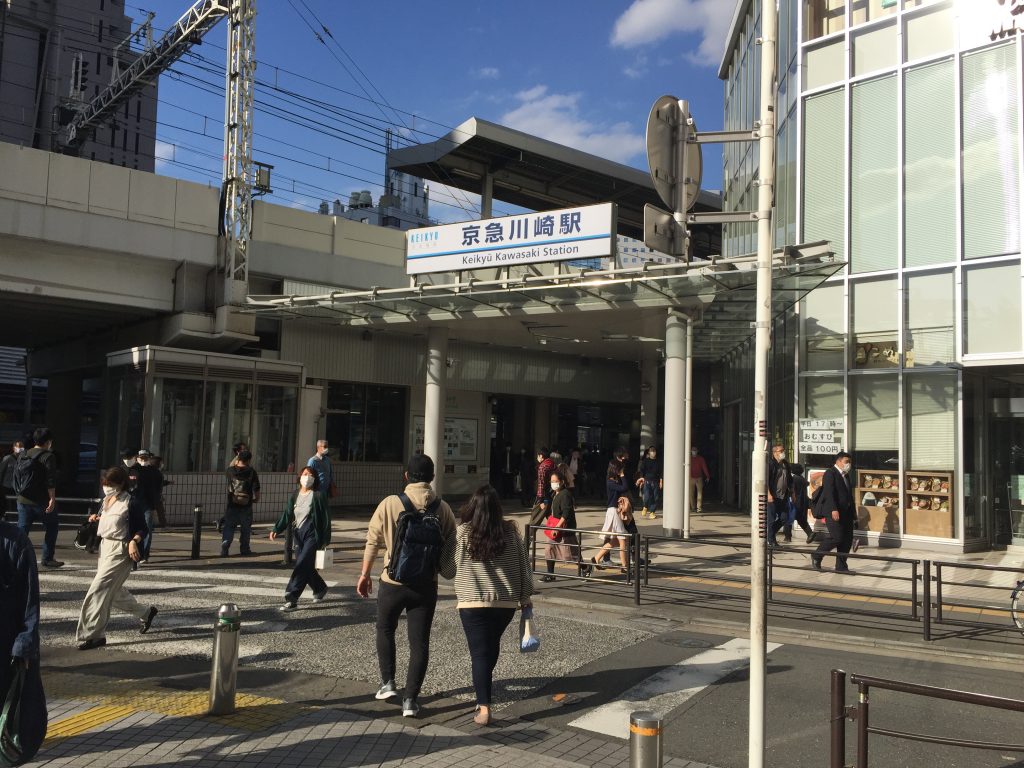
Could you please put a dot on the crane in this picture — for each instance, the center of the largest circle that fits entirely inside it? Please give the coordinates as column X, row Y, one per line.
column 240, row 82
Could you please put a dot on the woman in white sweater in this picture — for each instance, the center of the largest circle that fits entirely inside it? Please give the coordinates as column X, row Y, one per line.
column 493, row 578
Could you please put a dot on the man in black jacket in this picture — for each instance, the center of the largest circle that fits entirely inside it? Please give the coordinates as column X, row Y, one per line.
column 243, row 490
column 780, row 484
column 836, row 505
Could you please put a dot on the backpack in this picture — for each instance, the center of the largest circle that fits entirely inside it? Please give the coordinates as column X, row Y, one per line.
column 815, row 498
column 418, row 544
column 30, row 476
column 240, row 492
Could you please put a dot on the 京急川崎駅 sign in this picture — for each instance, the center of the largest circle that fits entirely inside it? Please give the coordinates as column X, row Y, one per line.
column 567, row 234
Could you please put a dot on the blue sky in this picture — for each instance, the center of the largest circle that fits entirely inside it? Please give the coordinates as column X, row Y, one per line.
column 580, row 72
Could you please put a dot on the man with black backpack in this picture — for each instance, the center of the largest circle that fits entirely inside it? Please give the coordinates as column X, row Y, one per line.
column 35, row 483
column 414, row 529
column 243, row 490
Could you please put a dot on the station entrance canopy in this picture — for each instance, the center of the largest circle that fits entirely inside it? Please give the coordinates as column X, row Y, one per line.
column 594, row 308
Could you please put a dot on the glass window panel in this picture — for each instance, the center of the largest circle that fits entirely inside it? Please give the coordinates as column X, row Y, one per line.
column 385, row 424
column 824, row 17
column 823, row 398
column 781, row 189
column 930, row 320
column 874, row 402
column 825, row 65
column 274, row 425
column 991, row 157
column 129, row 410
column 875, row 49
column 874, row 183
column 869, row 10
column 824, row 319
column 824, row 128
column 346, row 404
column 992, row 309
column 931, row 422
column 930, row 165
column 366, row 422
column 229, row 421
column 177, row 423
column 875, row 339
column 929, row 34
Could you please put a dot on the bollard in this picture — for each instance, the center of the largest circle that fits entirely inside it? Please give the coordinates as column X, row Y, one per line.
column 837, row 720
column 289, row 546
column 197, row 529
column 224, row 675
column 644, row 740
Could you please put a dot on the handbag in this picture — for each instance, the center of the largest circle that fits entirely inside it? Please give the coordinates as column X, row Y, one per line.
column 529, row 636
column 552, row 522
column 324, row 559
column 23, row 718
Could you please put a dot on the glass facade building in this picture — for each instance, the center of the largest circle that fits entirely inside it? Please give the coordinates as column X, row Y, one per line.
column 899, row 141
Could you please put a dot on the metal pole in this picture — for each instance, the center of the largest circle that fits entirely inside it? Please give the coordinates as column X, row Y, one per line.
column 636, row 569
column 938, row 592
column 688, row 428
column 197, row 529
column 645, row 749
column 224, row 675
column 837, row 720
column 862, row 725
column 434, row 401
column 759, row 457
column 675, row 386
column 926, row 597
column 913, row 590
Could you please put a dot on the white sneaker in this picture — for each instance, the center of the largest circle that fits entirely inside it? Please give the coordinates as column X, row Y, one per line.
column 386, row 691
column 410, row 708
column 318, row 597
column 288, row 607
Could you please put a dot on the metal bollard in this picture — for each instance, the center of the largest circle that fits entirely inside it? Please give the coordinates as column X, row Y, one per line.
column 837, row 720
column 197, row 529
column 645, row 749
column 224, row 675
column 289, row 546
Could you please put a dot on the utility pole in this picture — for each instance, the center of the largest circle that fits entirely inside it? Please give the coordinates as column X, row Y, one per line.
column 762, row 341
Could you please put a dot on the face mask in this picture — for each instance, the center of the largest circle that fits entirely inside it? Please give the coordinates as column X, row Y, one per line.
column 781, row 457
column 108, row 490
column 555, row 486
column 693, row 453
column 844, row 468
column 129, row 462
column 306, row 481
column 18, row 450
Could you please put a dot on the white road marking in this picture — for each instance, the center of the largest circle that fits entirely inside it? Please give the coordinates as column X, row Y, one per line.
column 667, row 689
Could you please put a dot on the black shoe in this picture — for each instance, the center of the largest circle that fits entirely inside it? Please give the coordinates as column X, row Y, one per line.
column 816, row 563
column 247, row 553
column 88, row 645
column 148, row 621
column 810, row 537
column 223, row 552
column 51, row 563
column 845, row 571
column 547, row 578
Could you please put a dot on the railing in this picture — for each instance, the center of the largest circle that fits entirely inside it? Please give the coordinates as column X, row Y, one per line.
column 1001, row 608
column 632, row 556
column 860, row 713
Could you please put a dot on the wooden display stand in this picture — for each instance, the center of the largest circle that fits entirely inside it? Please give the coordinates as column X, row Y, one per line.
column 877, row 497
column 929, row 504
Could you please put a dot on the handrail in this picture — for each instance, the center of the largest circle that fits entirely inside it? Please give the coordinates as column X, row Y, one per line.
column 940, row 583
column 633, row 555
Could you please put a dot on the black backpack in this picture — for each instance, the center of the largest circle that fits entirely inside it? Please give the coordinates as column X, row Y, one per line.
column 815, row 499
column 240, row 492
column 30, row 476
column 418, row 544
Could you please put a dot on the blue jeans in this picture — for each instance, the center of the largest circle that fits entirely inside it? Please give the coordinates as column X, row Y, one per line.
column 28, row 513
column 651, row 494
column 305, row 573
column 778, row 515
column 147, row 540
column 236, row 517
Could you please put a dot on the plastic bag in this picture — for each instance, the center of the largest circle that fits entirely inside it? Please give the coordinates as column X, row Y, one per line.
column 23, row 718
column 530, row 637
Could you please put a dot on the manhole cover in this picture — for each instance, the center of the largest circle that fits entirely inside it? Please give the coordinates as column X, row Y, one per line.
column 686, row 642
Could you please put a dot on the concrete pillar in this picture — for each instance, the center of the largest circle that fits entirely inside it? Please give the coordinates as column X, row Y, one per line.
column 64, row 418
column 688, row 426
column 675, row 441
column 487, row 195
column 649, row 400
column 434, row 401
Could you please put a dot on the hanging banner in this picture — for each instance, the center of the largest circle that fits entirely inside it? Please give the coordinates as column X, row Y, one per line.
column 563, row 235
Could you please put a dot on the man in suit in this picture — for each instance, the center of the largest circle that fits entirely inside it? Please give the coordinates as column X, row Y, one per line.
column 836, row 505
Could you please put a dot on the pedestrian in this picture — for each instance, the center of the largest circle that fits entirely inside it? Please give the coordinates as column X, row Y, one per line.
column 835, row 505
column 19, row 634
column 699, row 475
column 35, row 484
column 527, row 477
column 7, row 476
column 651, row 482
column 122, row 528
column 565, row 544
column 237, row 449
column 493, row 578
column 779, row 492
column 149, row 484
column 408, row 583
column 567, row 475
column 307, row 513
column 542, row 485
column 618, row 522
column 321, row 464
column 243, row 492
column 798, row 505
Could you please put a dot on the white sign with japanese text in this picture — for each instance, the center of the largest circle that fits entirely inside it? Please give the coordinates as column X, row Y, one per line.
column 563, row 235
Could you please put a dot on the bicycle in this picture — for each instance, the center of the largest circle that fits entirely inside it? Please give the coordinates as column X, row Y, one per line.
column 1017, row 605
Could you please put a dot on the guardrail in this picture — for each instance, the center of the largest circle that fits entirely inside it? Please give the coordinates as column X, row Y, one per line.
column 1003, row 590
column 860, row 714
column 632, row 556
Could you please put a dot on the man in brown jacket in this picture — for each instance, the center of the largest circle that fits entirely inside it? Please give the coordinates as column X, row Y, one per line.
column 418, row 598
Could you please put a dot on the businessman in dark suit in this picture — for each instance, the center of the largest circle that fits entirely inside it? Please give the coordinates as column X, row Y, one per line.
column 836, row 504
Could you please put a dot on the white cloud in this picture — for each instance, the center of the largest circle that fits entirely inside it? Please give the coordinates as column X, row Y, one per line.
column 638, row 68
column 557, row 117
column 486, row 73
column 163, row 153
column 648, row 21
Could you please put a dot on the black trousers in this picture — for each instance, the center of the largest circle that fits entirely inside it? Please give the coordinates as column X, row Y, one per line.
column 484, row 628
column 840, row 538
column 418, row 603
column 305, row 572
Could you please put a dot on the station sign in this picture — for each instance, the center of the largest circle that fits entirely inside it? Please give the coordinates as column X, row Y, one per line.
column 568, row 234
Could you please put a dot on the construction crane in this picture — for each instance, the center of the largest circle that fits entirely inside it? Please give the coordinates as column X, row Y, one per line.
column 240, row 82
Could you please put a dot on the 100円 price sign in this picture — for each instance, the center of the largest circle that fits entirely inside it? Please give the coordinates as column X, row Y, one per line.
column 562, row 235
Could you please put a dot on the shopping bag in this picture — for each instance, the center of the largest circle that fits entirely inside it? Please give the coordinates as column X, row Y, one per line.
column 530, row 637
column 552, row 522
column 324, row 559
column 23, row 718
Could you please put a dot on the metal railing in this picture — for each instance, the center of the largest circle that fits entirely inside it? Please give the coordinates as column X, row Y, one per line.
column 1001, row 607
column 860, row 714
column 632, row 556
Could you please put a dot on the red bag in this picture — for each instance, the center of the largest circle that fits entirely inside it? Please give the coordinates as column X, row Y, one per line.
column 552, row 522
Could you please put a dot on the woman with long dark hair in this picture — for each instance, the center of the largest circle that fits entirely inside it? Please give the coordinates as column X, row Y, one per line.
column 493, row 578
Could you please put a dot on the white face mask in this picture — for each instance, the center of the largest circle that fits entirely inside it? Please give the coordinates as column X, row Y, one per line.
column 108, row 490
column 844, row 468
column 306, row 481
column 556, row 486
column 781, row 457
column 129, row 462
column 19, row 449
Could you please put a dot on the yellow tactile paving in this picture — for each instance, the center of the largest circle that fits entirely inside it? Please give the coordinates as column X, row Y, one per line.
column 86, row 721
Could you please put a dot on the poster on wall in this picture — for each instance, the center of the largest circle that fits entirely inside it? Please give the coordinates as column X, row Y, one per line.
column 821, row 436
column 460, row 438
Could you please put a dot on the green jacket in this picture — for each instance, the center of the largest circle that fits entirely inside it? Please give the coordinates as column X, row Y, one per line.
column 321, row 518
